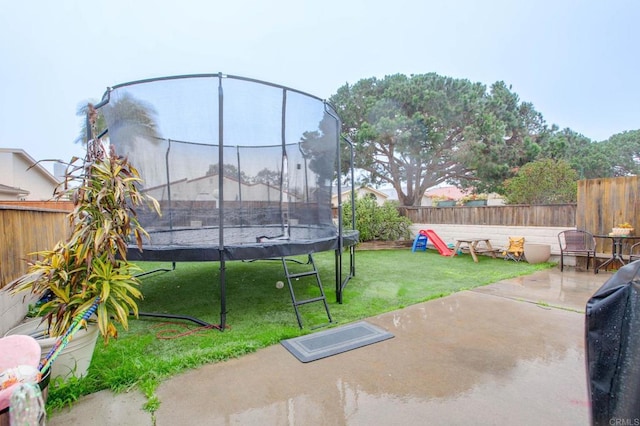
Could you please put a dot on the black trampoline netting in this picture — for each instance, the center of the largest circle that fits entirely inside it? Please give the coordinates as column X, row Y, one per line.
column 254, row 160
column 242, row 169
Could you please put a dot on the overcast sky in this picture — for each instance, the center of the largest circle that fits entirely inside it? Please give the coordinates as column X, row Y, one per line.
column 578, row 62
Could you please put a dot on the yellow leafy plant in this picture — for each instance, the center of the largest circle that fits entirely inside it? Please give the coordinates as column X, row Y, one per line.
column 92, row 262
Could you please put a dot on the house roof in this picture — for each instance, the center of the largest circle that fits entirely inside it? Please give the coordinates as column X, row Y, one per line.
column 215, row 175
column 378, row 193
column 447, row 191
column 33, row 163
column 5, row 189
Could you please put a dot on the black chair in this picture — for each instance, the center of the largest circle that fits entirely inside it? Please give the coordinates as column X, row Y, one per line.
column 576, row 242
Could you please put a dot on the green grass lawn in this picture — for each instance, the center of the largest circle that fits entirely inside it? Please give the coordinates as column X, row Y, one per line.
column 259, row 314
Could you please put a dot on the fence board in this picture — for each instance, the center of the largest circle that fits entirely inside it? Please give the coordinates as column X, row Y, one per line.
column 24, row 231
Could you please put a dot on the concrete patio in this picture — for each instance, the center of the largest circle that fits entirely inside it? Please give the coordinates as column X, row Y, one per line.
column 507, row 353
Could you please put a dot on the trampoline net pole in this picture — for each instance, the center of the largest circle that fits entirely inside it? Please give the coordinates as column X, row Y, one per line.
column 223, row 283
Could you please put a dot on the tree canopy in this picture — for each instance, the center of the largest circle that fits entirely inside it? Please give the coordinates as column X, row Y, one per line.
column 625, row 148
column 419, row 131
column 228, row 170
column 544, row 181
column 129, row 116
column 617, row 156
column 415, row 132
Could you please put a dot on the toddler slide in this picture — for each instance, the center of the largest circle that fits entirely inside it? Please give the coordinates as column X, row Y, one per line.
column 440, row 245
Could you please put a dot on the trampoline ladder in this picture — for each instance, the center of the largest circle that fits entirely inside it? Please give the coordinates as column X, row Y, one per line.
column 294, row 276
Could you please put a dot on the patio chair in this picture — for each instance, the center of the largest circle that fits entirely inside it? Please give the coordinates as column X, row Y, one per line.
column 515, row 250
column 576, row 242
column 634, row 252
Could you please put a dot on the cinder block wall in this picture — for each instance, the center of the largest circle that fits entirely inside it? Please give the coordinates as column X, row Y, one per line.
column 499, row 235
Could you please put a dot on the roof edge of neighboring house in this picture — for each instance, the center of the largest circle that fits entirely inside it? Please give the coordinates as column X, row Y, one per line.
column 6, row 189
column 368, row 188
column 378, row 192
column 33, row 163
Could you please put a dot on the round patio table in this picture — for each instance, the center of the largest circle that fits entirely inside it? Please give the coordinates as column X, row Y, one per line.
column 617, row 243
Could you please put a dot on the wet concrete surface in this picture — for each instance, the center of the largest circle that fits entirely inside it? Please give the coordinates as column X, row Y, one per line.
column 507, row 353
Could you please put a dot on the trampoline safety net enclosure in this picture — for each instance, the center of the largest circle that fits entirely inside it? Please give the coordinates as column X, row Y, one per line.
column 242, row 169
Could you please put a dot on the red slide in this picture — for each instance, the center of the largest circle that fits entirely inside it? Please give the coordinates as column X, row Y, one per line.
column 442, row 248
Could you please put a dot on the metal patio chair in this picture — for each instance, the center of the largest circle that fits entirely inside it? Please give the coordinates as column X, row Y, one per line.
column 634, row 252
column 576, row 242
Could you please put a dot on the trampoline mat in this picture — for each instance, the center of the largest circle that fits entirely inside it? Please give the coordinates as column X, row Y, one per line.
column 247, row 243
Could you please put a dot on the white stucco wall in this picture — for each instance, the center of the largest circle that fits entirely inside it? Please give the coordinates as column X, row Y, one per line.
column 16, row 171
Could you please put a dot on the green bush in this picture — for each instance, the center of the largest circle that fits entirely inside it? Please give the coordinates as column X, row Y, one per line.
column 543, row 182
column 377, row 223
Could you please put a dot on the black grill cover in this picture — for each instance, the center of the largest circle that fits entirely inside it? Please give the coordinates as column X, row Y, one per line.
column 613, row 349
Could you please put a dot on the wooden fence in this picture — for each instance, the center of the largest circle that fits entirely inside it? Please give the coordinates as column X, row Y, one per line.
column 26, row 230
column 36, row 205
column 556, row 215
column 605, row 203
column 602, row 204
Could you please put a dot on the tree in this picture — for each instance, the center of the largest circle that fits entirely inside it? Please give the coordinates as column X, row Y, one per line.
column 507, row 134
column 377, row 223
column 617, row 156
column 544, row 181
column 100, row 124
column 416, row 132
column 624, row 150
column 318, row 147
column 268, row 177
column 127, row 116
column 229, row 170
column 587, row 158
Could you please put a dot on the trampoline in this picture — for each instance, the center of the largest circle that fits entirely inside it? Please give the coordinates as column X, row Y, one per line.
column 243, row 170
